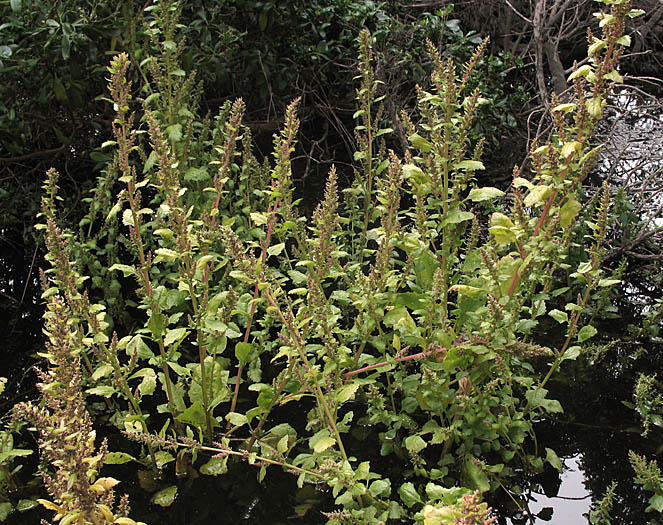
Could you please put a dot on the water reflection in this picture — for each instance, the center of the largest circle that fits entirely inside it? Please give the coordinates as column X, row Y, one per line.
column 571, row 503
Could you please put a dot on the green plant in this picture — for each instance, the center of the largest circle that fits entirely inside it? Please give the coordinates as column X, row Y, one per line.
column 411, row 308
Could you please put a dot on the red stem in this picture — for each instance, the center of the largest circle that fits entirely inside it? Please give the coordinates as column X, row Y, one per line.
column 398, row 360
column 263, row 258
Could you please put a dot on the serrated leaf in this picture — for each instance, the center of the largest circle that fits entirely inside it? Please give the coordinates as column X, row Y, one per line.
column 101, row 390
column 174, row 132
column 216, row 382
column 476, row 474
column 519, row 182
column 586, row 332
column 127, row 218
column 484, row 194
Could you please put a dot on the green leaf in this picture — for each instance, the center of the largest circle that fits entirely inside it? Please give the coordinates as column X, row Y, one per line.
column 484, row 194
column 409, row 494
column 276, row 249
column 101, row 390
column 118, row 458
column 124, row 268
column 215, row 467
column 553, row 459
column 552, row 406
column 25, row 505
column 196, row 174
column 14, row 453
column 569, row 106
column 655, row 503
column 559, row 316
column 243, row 352
column 5, row 510
column 216, row 379
column 582, row 71
column 585, row 333
column 609, row 282
column 456, row 216
column 463, row 289
column 399, row 318
column 537, row 195
column 323, row 444
column 162, row 458
column 194, row 415
column 570, row 148
column 420, row 143
column 476, row 474
column 16, row 5
column 470, row 165
column 415, row 444
column 571, row 353
column 380, row 488
column 501, row 227
column 258, row 218
column 167, row 253
column 569, row 212
column 165, row 497
column 236, row 419
column 174, row 132
column 413, row 171
column 346, row 392
column 175, row 335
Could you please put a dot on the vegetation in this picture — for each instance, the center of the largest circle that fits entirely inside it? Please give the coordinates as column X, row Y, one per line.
column 197, row 308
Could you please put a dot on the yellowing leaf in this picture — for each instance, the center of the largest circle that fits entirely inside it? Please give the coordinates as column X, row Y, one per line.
column 470, row 165
column 569, row 212
column 570, row 148
column 346, row 392
column 582, row 71
column 463, row 289
column 484, row 194
column 167, row 253
column 323, row 444
column 537, row 195
column 519, row 182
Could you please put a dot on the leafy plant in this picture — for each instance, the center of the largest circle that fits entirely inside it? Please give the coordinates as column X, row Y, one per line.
column 410, row 308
